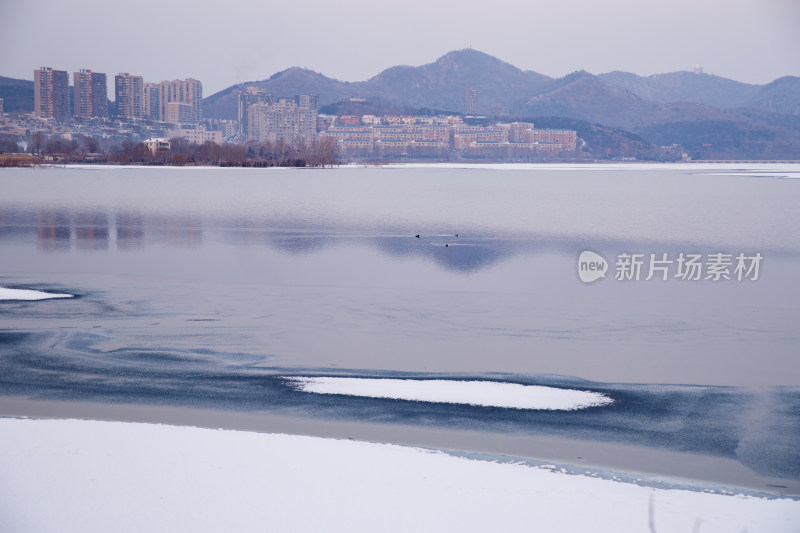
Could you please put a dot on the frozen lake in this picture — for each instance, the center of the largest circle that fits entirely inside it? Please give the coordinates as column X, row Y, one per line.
column 205, row 288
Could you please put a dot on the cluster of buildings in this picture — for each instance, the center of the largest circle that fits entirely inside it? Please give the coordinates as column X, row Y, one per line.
column 169, row 109
column 400, row 135
column 140, row 110
column 263, row 118
column 175, row 102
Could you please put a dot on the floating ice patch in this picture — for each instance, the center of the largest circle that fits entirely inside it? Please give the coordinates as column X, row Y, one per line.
column 484, row 393
column 27, row 294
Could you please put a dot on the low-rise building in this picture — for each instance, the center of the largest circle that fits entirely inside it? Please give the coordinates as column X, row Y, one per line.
column 157, row 145
column 347, row 120
column 179, row 113
column 560, row 140
column 197, row 135
column 401, row 135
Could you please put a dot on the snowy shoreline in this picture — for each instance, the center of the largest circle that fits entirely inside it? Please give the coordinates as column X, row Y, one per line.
column 96, row 476
column 653, row 467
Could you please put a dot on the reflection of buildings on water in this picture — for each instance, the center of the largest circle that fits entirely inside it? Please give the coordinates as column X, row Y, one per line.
column 91, row 231
column 134, row 230
column 130, row 231
column 58, row 230
column 53, row 230
column 17, row 223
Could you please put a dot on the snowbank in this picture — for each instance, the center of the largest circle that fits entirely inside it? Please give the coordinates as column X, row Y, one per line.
column 486, row 393
column 25, row 294
column 105, row 476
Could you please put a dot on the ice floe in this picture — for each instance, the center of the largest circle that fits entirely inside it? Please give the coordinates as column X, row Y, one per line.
column 484, row 393
column 29, row 294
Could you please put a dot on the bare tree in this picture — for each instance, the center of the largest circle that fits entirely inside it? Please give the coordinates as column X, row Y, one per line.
column 38, row 140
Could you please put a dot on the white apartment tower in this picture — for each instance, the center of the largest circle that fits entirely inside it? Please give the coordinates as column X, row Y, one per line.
column 290, row 120
column 249, row 96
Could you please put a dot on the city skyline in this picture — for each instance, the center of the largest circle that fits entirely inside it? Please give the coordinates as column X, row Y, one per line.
column 218, row 48
column 175, row 101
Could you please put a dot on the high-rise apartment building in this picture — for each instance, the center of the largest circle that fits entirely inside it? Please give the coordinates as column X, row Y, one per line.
column 90, row 94
column 129, row 95
column 289, row 120
column 470, row 101
column 152, row 101
column 307, row 105
column 51, row 94
column 249, row 96
column 188, row 91
column 308, row 101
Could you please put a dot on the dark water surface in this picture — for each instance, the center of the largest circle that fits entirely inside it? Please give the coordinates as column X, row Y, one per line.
column 202, row 287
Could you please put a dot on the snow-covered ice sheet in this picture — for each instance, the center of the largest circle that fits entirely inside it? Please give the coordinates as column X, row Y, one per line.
column 28, row 294
column 81, row 476
column 486, row 393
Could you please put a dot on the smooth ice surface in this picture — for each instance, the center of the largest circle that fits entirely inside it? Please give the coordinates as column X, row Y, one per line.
column 486, row 393
column 26, row 294
column 89, row 477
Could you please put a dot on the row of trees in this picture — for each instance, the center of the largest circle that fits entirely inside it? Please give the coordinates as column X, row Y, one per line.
column 40, row 144
column 267, row 154
column 8, row 144
column 87, row 149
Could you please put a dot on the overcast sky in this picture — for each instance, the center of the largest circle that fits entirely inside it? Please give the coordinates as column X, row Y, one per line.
column 223, row 43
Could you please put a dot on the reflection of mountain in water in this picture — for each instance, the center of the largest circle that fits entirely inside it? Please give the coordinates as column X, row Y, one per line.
column 451, row 253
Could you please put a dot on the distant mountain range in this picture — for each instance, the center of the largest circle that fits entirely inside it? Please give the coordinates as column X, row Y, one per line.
column 440, row 85
column 711, row 116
